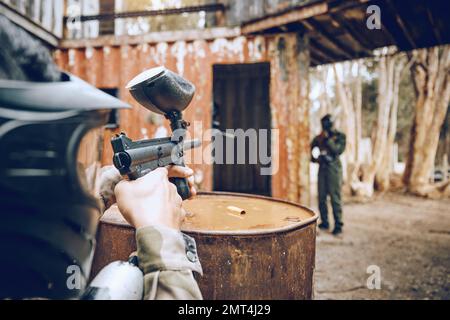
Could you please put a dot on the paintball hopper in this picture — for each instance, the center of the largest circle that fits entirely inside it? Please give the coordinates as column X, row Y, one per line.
column 161, row 90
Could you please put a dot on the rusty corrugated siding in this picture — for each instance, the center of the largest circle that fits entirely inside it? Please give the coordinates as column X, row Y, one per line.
column 113, row 67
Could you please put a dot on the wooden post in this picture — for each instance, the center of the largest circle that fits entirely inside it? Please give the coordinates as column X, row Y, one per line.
column 58, row 16
column 47, row 13
column 303, row 140
column 36, row 15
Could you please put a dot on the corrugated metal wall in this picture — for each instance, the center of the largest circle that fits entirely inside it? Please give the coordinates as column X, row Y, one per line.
column 113, row 67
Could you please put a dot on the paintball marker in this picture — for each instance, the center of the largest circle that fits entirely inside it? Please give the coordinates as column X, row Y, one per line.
column 164, row 92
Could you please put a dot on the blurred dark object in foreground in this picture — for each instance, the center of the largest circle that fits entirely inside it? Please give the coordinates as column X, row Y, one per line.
column 23, row 57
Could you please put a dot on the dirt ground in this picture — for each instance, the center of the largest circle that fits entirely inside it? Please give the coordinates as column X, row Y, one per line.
column 408, row 238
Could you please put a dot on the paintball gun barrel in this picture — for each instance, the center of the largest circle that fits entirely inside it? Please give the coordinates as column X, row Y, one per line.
column 164, row 92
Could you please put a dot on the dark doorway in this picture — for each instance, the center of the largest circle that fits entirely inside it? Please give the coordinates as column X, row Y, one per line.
column 241, row 101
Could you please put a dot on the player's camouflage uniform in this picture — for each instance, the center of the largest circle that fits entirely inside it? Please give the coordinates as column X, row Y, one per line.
column 168, row 258
column 330, row 174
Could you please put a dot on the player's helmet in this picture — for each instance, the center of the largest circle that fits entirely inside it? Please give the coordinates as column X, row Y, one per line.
column 51, row 140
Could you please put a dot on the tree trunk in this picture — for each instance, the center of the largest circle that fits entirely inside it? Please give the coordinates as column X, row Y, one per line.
column 382, row 176
column 350, row 99
column 325, row 103
column 358, row 119
column 386, row 68
column 431, row 77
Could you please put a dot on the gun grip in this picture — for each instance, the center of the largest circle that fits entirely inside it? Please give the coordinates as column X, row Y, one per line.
column 182, row 187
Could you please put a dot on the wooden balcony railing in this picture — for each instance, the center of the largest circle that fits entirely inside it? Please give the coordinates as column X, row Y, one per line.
column 43, row 18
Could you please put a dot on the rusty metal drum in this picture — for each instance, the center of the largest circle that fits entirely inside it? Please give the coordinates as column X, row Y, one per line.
column 250, row 247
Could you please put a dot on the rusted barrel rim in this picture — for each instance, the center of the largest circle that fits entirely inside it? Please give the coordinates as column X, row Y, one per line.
column 261, row 232
column 264, row 232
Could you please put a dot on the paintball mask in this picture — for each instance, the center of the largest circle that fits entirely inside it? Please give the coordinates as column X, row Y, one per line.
column 327, row 122
column 51, row 141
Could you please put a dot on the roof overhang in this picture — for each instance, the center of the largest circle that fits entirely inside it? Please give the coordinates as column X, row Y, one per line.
column 338, row 29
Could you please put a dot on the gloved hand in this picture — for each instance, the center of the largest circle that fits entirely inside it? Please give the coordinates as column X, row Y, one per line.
column 110, row 177
column 150, row 201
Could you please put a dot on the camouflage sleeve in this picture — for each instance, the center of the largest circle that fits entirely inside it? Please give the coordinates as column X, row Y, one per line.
column 168, row 258
column 336, row 145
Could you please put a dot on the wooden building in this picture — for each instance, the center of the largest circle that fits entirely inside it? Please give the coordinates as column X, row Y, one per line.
column 194, row 56
column 254, row 63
